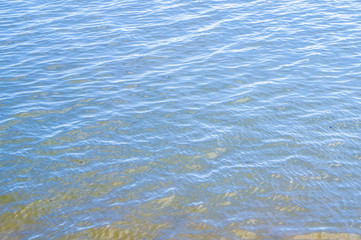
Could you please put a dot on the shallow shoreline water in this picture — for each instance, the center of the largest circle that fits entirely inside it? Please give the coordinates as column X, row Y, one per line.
column 180, row 120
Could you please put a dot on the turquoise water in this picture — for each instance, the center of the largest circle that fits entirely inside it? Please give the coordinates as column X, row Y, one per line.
column 180, row 119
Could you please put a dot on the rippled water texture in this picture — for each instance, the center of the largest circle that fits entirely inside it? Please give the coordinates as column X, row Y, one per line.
column 206, row 119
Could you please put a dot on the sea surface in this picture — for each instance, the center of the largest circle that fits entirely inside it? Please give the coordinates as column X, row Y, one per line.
column 174, row 119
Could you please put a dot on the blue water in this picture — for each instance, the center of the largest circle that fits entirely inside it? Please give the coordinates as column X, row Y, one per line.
column 180, row 119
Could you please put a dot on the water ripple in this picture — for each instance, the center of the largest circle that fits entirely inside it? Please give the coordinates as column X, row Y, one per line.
column 180, row 120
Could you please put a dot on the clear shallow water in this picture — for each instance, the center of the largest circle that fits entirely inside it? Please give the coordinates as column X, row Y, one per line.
column 180, row 119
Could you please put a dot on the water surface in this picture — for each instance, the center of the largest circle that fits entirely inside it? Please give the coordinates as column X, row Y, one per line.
column 175, row 119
